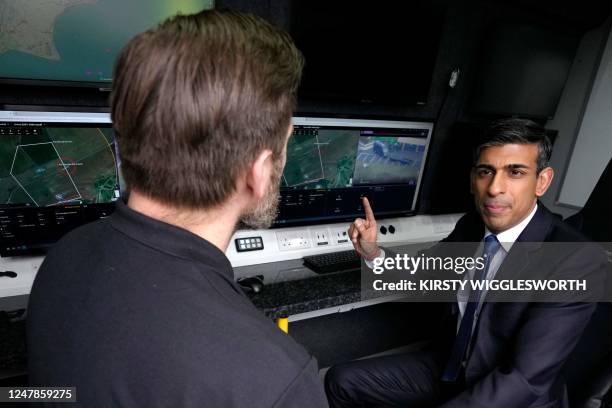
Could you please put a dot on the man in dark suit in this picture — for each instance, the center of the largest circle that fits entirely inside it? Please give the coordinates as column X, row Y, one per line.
column 493, row 354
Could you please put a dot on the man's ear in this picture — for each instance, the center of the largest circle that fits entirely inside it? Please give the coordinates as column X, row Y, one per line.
column 545, row 178
column 258, row 176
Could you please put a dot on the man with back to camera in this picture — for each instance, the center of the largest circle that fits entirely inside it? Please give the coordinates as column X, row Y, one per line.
column 140, row 309
column 487, row 354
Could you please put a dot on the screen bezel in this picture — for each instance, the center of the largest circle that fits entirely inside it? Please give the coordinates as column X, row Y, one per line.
column 102, row 86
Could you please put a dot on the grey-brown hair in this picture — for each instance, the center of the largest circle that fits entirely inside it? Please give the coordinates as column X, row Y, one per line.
column 197, row 98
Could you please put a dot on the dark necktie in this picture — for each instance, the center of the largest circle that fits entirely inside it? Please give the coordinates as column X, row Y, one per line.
column 453, row 367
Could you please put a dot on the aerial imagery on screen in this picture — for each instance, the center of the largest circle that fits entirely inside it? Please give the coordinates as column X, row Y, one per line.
column 342, row 158
column 320, row 159
column 385, row 160
column 45, row 166
column 76, row 40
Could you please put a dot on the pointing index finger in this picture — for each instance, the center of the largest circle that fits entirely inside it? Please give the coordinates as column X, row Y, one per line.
column 368, row 210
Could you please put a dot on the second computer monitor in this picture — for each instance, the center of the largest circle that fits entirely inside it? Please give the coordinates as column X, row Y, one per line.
column 332, row 163
column 58, row 171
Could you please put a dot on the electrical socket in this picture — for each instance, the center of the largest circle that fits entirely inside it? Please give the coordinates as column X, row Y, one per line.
column 340, row 235
column 291, row 240
column 320, row 237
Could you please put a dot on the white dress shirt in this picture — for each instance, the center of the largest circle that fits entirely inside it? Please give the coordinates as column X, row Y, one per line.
column 506, row 239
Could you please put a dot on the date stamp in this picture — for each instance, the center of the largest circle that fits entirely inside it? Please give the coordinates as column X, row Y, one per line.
column 37, row 394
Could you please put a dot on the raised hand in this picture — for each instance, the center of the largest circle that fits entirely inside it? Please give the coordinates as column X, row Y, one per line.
column 363, row 233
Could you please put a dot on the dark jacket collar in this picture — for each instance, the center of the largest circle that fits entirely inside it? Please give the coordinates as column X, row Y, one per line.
column 531, row 239
column 169, row 239
column 539, row 227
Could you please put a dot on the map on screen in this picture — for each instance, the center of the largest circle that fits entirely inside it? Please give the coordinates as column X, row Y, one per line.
column 320, row 159
column 45, row 166
column 343, row 158
column 76, row 40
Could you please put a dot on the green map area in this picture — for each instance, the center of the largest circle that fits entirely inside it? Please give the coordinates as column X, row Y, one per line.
column 58, row 166
column 76, row 40
column 325, row 159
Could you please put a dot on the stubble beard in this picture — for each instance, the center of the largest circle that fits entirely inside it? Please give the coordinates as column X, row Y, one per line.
column 265, row 212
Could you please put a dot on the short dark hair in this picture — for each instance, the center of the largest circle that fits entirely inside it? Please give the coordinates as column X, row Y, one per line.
column 516, row 131
column 197, row 98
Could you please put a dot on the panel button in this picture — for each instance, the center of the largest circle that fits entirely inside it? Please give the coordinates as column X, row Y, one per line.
column 249, row 244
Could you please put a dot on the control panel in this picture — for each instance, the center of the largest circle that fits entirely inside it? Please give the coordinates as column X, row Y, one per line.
column 255, row 248
column 248, row 244
column 282, row 244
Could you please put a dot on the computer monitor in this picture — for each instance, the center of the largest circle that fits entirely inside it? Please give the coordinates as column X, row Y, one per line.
column 58, row 170
column 75, row 41
column 332, row 163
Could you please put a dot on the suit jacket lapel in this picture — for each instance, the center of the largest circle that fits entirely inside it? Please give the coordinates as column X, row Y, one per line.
column 522, row 252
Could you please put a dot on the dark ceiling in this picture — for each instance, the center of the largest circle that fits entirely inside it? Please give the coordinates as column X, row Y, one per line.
column 583, row 14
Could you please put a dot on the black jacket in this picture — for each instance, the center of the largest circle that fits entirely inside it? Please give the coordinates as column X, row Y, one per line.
column 134, row 312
